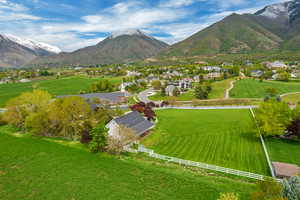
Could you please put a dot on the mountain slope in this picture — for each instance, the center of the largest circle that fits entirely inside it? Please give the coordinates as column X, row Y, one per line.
column 15, row 51
column 275, row 27
column 120, row 47
column 234, row 34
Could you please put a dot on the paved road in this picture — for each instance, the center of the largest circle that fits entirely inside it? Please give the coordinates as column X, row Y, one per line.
column 143, row 96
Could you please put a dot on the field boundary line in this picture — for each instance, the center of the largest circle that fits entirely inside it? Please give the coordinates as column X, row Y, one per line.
column 152, row 154
column 264, row 146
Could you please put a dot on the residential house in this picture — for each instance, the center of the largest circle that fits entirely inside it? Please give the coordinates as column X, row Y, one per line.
column 276, row 64
column 170, row 90
column 132, row 120
column 257, row 73
column 212, row 75
column 212, row 68
column 24, row 80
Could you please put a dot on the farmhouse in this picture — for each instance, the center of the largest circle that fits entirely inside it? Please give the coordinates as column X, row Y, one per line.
column 133, row 120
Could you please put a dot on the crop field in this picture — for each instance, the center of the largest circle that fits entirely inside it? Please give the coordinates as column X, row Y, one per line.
column 249, row 88
column 63, row 86
column 218, row 92
column 219, row 137
column 37, row 168
column 284, row 150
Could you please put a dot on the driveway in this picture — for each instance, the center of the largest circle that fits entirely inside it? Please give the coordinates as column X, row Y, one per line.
column 143, row 96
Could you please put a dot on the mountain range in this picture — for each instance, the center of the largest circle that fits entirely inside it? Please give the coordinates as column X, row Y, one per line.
column 273, row 28
column 15, row 51
column 124, row 46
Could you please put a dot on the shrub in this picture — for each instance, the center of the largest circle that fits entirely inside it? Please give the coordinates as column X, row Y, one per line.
column 99, row 138
column 228, row 196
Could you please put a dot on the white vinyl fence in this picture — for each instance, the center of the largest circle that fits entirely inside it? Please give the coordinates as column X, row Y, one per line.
column 151, row 153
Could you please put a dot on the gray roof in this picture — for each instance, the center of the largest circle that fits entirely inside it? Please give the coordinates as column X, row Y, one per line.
column 134, row 120
column 112, row 97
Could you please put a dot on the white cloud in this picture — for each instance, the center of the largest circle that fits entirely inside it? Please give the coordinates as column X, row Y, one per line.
column 176, row 3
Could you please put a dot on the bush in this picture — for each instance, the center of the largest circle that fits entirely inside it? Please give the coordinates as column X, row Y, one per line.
column 228, row 196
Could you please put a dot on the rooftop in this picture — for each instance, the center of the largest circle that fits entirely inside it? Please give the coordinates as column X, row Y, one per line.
column 136, row 121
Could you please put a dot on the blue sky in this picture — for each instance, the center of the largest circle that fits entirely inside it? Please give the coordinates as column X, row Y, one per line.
column 72, row 24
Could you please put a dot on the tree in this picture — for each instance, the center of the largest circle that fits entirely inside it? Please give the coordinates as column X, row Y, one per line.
column 228, row 196
column 68, row 116
column 19, row 108
column 99, row 138
column 163, row 92
column 283, row 76
column 176, row 92
column 156, row 84
column 273, row 117
column 201, row 92
column 291, row 188
column 123, row 137
column 268, row 190
column 272, row 92
column 103, row 85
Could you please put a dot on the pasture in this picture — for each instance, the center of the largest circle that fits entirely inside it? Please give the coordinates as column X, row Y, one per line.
column 39, row 168
column 218, row 137
column 283, row 150
column 250, row 88
column 62, row 86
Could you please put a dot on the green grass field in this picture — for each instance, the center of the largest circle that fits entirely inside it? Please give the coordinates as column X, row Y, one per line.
column 47, row 169
column 69, row 85
column 283, row 150
column 219, row 137
column 218, row 92
column 292, row 98
column 249, row 88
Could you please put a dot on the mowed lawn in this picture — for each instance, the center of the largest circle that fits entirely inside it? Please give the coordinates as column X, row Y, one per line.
column 69, row 85
column 219, row 137
column 35, row 168
column 284, row 150
column 249, row 88
column 218, row 92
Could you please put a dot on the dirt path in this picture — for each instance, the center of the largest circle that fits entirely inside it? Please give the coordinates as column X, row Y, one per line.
column 227, row 92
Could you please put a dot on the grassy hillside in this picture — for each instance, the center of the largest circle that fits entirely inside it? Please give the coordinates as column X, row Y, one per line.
column 234, row 34
column 201, row 137
column 249, row 88
column 35, row 168
column 70, row 85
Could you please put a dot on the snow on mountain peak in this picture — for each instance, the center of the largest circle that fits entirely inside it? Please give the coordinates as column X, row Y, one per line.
column 275, row 10
column 126, row 32
column 31, row 44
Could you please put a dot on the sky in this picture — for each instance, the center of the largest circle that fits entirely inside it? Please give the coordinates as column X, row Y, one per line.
column 73, row 24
